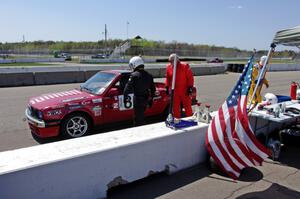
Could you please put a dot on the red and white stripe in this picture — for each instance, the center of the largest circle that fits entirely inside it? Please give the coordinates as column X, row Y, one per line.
column 231, row 141
column 54, row 95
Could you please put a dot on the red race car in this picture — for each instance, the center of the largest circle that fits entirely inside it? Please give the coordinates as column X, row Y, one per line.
column 98, row 101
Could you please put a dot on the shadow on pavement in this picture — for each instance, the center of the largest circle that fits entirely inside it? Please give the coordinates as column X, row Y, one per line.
column 274, row 191
column 158, row 184
column 251, row 174
column 290, row 156
column 45, row 140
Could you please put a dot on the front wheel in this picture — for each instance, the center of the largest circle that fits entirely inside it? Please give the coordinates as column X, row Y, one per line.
column 75, row 125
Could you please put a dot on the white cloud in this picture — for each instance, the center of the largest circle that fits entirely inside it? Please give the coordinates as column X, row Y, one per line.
column 236, row 7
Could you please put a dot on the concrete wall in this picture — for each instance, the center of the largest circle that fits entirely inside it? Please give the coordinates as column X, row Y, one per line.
column 17, row 79
column 72, row 74
column 30, row 60
column 42, row 78
column 209, row 69
column 116, row 60
column 86, row 167
column 284, row 67
column 273, row 67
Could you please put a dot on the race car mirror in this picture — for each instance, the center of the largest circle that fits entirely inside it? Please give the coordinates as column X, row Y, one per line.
column 128, row 105
column 113, row 92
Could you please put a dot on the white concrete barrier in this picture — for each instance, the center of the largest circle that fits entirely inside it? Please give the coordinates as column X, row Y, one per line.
column 284, row 67
column 16, row 79
column 31, row 60
column 272, row 67
column 86, row 167
column 71, row 74
column 114, row 60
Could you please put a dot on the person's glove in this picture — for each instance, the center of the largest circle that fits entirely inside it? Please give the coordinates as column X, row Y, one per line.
column 167, row 90
column 190, row 90
column 150, row 103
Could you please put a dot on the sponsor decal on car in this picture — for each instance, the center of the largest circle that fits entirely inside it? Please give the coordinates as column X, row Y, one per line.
column 96, row 101
column 72, row 107
column 54, row 112
column 97, row 110
column 84, row 103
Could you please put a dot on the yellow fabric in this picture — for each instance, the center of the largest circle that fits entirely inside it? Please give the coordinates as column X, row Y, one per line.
column 255, row 75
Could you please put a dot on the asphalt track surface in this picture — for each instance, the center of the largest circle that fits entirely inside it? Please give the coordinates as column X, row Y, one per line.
column 272, row 180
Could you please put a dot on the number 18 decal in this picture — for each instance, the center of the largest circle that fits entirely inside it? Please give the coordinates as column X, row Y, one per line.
column 128, row 105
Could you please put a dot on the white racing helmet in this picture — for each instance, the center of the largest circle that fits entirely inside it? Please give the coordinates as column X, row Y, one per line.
column 173, row 56
column 270, row 98
column 263, row 59
column 135, row 62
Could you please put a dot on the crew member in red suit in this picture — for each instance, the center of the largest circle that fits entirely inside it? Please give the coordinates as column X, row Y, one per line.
column 183, row 86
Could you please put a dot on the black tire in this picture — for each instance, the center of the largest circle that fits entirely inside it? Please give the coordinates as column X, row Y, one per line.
column 229, row 67
column 234, row 68
column 240, row 68
column 75, row 125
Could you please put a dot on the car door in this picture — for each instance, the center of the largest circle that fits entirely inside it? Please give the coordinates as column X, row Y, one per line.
column 114, row 109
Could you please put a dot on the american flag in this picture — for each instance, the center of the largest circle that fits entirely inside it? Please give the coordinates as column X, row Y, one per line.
column 230, row 139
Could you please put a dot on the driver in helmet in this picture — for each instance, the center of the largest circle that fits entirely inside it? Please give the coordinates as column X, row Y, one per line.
column 255, row 75
column 141, row 84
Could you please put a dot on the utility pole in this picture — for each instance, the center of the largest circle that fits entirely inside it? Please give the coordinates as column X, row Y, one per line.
column 105, row 39
column 127, row 24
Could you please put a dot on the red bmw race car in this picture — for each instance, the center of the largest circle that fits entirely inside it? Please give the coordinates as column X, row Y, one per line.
column 98, row 101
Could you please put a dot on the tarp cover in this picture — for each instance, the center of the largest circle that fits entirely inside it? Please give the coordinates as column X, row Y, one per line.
column 288, row 37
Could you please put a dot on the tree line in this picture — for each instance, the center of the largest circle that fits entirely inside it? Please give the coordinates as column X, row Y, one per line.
column 140, row 46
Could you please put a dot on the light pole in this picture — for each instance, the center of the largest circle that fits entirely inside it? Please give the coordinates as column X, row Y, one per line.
column 105, row 39
column 127, row 25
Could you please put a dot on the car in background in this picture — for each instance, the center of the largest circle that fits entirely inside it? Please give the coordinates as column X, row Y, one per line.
column 215, row 60
column 99, row 56
column 67, row 56
column 98, row 101
column 4, row 56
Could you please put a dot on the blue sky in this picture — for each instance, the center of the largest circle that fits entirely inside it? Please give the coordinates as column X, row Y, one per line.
column 245, row 24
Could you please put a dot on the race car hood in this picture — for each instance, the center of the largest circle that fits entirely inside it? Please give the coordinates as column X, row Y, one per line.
column 58, row 99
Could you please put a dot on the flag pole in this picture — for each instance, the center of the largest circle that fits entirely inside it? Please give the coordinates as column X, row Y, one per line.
column 262, row 74
column 170, row 116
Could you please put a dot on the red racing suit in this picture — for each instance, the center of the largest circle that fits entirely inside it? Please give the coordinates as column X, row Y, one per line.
column 184, row 80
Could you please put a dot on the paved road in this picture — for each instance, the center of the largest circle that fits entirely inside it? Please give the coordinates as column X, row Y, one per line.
column 272, row 180
column 275, row 180
column 14, row 132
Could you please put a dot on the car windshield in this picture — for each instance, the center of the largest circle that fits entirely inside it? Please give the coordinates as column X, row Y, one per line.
column 98, row 83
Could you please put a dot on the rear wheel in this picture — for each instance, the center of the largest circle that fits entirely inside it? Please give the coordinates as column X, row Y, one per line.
column 75, row 125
